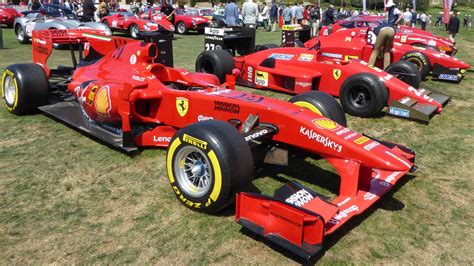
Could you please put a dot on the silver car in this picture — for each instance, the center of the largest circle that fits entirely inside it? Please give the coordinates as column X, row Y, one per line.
column 24, row 26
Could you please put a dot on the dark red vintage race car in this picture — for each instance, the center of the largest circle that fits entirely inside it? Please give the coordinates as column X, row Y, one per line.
column 358, row 43
column 8, row 16
column 407, row 35
column 363, row 91
column 184, row 21
column 215, row 135
column 128, row 22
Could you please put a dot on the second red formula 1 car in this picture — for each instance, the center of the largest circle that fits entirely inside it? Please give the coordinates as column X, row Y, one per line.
column 215, row 136
column 358, row 43
column 362, row 90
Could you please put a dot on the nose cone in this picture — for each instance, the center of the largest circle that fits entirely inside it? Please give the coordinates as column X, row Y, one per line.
column 394, row 162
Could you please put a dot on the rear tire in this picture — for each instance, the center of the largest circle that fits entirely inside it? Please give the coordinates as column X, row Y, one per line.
column 21, row 35
column 420, row 60
column 262, row 47
column 363, row 95
column 406, row 72
column 208, row 163
column 322, row 104
column 134, row 30
column 24, row 88
column 181, row 28
column 217, row 62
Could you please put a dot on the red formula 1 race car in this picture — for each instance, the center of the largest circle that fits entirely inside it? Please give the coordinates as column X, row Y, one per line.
column 358, row 43
column 362, row 90
column 8, row 16
column 407, row 35
column 128, row 22
column 215, row 135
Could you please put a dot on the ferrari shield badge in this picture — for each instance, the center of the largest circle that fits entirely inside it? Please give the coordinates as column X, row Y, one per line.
column 336, row 73
column 182, row 106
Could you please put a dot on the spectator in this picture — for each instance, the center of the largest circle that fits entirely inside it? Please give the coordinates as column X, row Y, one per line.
column 265, row 16
column 439, row 20
column 293, row 8
column 35, row 5
column 103, row 9
column 466, row 21
column 407, row 18
column 314, row 18
column 274, row 15
column 393, row 13
column 453, row 26
column 328, row 16
column 306, row 15
column 250, row 13
column 299, row 13
column 413, row 18
column 423, row 20
column 383, row 44
column 231, row 13
column 67, row 4
column 168, row 10
column 88, row 10
column 286, row 14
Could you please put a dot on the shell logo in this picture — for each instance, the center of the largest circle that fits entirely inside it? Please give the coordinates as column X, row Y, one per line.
column 325, row 123
column 102, row 101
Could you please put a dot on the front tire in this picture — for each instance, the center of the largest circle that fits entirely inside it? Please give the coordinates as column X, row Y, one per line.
column 181, row 28
column 217, row 62
column 208, row 163
column 420, row 60
column 322, row 104
column 406, row 72
column 363, row 95
column 134, row 30
column 21, row 35
column 24, row 88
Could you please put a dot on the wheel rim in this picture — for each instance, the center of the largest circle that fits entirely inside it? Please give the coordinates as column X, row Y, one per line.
column 20, row 36
column 417, row 62
column 181, row 28
column 360, row 97
column 134, row 31
column 9, row 89
column 193, row 171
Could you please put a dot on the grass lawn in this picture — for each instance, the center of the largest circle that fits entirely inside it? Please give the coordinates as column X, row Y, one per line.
column 64, row 198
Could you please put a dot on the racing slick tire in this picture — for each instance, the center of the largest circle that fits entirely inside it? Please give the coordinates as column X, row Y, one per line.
column 299, row 43
column 322, row 104
column 134, row 31
column 21, row 34
column 363, row 95
column 421, row 61
column 181, row 28
column 262, row 47
column 208, row 163
column 406, row 72
column 217, row 62
column 24, row 88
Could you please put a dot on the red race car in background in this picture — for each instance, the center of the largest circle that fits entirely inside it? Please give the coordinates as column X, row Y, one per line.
column 358, row 43
column 184, row 19
column 128, row 22
column 407, row 35
column 8, row 15
column 363, row 91
column 215, row 135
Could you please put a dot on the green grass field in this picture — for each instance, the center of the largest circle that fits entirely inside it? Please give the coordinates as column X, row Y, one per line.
column 64, row 198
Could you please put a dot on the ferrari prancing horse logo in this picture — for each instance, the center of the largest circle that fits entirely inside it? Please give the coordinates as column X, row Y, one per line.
column 336, row 73
column 182, row 106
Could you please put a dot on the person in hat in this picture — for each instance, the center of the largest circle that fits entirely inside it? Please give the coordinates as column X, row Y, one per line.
column 393, row 13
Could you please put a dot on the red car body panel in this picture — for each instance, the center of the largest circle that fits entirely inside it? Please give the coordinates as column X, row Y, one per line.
column 125, row 85
column 353, row 43
column 8, row 15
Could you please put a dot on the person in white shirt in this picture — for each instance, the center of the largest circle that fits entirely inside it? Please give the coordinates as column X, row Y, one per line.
column 407, row 17
column 423, row 20
column 265, row 16
column 250, row 13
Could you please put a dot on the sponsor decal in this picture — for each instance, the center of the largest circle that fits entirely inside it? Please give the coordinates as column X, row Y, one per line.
column 391, row 177
column 204, row 118
column 332, row 55
column 350, row 136
column 161, row 139
column 431, row 43
column 348, row 39
column 361, row 140
column 299, row 198
column 388, row 77
column 369, row 196
column 343, row 214
column 232, row 108
column 250, row 73
column 43, row 42
column 371, row 145
column 419, row 93
column 248, row 98
column 448, row 77
column 256, row 134
column 376, row 68
column 182, row 106
column 138, row 78
column 261, row 78
column 399, row 112
column 325, row 141
column 303, row 84
column 403, row 39
column 91, row 96
column 336, row 73
column 102, row 101
column 306, row 57
column 133, row 59
column 281, row 56
column 195, row 141
column 325, row 123
column 462, row 71
column 342, row 131
column 404, row 100
column 346, row 200
column 349, row 57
